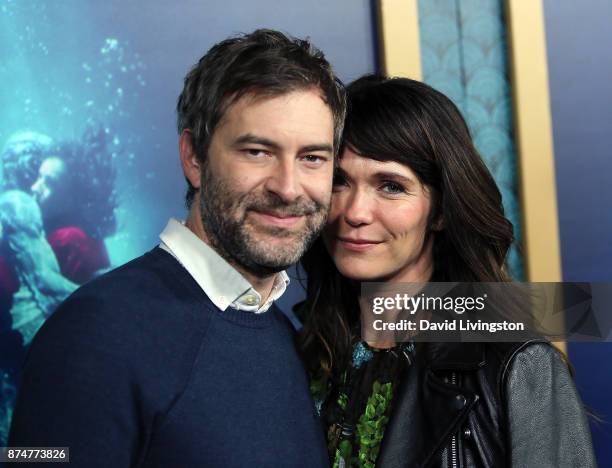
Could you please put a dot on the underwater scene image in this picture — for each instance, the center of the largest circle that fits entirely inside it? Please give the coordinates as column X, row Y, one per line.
column 77, row 160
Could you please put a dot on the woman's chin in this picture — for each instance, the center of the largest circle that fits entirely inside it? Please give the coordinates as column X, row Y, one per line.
column 358, row 272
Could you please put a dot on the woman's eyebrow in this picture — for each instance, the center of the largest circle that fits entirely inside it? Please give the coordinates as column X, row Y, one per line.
column 338, row 171
column 394, row 175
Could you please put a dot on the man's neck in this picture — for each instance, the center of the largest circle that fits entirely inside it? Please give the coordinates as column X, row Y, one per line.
column 262, row 284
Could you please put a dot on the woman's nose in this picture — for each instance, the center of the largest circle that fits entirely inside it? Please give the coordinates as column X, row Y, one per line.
column 357, row 210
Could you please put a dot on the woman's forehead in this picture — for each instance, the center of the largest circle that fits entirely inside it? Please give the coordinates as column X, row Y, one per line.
column 352, row 162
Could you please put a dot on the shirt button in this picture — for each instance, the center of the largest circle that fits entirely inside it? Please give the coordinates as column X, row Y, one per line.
column 250, row 300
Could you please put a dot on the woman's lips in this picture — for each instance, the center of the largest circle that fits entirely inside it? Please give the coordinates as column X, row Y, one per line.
column 357, row 245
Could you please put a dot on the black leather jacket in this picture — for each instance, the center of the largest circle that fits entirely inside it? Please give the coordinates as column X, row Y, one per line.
column 487, row 405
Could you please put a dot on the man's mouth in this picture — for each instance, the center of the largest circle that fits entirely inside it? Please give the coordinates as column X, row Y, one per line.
column 279, row 219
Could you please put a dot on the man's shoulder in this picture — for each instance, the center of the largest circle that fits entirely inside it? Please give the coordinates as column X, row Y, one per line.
column 133, row 302
column 154, row 275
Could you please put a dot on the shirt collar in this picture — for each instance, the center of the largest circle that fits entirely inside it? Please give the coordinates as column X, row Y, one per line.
column 219, row 280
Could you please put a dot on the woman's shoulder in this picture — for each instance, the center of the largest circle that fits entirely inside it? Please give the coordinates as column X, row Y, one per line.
column 530, row 374
column 533, row 356
column 501, row 364
column 540, row 393
column 537, row 362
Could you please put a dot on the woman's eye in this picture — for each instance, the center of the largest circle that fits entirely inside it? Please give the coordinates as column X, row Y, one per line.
column 338, row 180
column 393, row 188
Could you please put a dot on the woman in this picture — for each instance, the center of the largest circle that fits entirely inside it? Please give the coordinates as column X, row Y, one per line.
column 414, row 202
column 76, row 226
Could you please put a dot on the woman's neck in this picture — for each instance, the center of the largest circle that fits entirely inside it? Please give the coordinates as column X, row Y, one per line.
column 421, row 271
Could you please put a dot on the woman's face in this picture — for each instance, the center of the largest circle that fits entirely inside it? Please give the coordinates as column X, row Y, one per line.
column 51, row 188
column 377, row 225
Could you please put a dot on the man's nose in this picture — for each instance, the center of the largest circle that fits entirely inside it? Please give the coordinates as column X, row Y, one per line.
column 284, row 181
column 357, row 209
column 36, row 186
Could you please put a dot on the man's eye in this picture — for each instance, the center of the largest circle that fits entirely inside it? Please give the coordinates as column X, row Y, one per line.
column 313, row 159
column 393, row 188
column 255, row 152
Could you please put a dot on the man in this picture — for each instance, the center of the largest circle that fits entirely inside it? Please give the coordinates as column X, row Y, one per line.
column 19, row 163
column 179, row 358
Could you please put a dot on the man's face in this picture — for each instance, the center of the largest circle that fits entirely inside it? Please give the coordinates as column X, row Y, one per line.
column 266, row 184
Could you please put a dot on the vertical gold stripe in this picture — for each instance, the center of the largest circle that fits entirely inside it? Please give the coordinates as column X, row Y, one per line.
column 529, row 76
column 400, row 49
column 533, row 128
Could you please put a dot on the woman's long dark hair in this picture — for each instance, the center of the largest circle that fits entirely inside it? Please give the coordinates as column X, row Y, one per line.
column 402, row 120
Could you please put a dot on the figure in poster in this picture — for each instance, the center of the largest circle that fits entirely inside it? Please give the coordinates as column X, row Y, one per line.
column 57, row 205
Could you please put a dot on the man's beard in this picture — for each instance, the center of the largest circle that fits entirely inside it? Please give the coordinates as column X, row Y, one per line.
column 224, row 215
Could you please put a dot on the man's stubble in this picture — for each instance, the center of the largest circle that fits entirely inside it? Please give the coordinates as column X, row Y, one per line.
column 224, row 214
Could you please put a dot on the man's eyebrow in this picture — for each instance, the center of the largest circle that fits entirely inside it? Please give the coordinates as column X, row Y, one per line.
column 322, row 147
column 254, row 139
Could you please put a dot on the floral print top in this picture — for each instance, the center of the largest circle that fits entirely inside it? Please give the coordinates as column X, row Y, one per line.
column 356, row 409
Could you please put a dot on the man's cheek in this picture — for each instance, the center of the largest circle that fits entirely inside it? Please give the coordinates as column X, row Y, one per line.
column 320, row 191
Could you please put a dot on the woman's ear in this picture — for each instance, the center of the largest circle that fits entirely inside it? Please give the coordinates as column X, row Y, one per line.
column 435, row 218
column 438, row 223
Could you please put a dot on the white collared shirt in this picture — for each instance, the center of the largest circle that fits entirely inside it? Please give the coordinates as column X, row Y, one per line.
column 220, row 281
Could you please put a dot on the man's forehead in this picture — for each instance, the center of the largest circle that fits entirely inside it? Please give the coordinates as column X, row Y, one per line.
column 301, row 113
column 259, row 98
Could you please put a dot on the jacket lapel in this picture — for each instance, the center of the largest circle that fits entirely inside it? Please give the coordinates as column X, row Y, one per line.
column 428, row 409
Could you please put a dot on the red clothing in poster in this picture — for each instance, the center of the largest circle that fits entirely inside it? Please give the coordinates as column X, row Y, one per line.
column 79, row 256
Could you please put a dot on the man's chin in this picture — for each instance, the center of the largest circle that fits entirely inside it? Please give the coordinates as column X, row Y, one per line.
column 263, row 264
column 276, row 254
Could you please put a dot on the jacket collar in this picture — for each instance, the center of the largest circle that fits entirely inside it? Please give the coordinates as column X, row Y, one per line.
column 454, row 356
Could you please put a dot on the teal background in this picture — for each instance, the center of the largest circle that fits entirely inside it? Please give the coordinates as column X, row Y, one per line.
column 463, row 55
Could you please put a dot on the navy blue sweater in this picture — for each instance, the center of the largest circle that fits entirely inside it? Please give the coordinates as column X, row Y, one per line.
column 139, row 368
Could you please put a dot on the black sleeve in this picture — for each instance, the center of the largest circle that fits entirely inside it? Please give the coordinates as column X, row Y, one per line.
column 548, row 426
column 77, row 389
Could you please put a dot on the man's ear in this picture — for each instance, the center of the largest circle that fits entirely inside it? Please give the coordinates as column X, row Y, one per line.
column 189, row 160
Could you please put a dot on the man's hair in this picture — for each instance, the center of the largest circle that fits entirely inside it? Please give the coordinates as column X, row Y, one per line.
column 21, row 159
column 262, row 63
